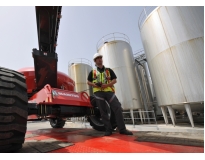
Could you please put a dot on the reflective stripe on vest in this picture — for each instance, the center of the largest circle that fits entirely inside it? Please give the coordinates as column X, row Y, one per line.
column 103, row 78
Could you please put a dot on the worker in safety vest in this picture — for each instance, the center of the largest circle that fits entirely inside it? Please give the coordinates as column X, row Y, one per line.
column 102, row 80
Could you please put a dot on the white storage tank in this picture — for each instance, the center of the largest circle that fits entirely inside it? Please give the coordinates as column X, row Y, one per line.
column 117, row 55
column 79, row 70
column 173, row 39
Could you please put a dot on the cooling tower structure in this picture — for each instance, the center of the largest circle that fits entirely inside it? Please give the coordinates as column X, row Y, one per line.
column 173, row 39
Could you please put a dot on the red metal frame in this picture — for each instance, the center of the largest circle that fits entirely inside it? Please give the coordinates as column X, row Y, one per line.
column 51, row 96
column 63, row 81
column 54, row 96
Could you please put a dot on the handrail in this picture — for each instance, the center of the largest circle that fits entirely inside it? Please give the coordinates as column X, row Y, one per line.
column 139, row 52
column 144, row 14
column 112, row 36
column 152, row 111
column 79, row 60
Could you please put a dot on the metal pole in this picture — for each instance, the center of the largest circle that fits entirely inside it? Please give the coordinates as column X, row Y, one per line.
column 145, row 11
column 147, row 76
column 142, row 91
column 189, row 113
column 154, row 117
column 171, row 113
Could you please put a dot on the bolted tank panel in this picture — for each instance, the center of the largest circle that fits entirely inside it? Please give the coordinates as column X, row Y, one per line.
column 79, row 70
column 117, row 55
column 173, row 39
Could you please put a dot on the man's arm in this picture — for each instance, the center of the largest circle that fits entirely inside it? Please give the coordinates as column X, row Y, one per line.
column 90, row 79
column 91, row 84
column 109, row 84
column 113, row 79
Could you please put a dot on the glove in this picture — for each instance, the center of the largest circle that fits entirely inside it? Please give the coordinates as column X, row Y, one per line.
column 98, row 84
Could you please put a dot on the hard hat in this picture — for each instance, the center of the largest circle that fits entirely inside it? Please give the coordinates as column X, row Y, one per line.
column 97, row 55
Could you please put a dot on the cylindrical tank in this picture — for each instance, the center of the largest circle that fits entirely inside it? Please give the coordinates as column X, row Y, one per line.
column 78, row 70
column 173, row 39
column 117, row 55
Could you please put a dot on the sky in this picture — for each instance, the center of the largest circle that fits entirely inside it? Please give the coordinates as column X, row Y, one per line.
column 80, row 29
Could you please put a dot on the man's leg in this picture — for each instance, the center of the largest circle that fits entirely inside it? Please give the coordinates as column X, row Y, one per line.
column 113, row 119
column 103, row 111
column 116, row 107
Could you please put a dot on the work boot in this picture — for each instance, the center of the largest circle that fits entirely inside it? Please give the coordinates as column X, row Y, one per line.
column 108, row 133
column 126, row 132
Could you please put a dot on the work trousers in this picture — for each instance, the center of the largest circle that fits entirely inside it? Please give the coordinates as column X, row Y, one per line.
column 115, row 105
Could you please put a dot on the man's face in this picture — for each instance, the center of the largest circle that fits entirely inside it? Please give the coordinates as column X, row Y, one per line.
column 99, row 61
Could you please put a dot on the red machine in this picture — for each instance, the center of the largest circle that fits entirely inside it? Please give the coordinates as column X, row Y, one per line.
column 41, row 91
column 51, row 93
column 56, row 103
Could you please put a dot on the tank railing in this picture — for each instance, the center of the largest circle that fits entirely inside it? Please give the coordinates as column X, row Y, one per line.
column 80, row 60
column 140, row 56
column 112, row 37
column 83, row 120
column 144, row 14
column 143, row 118
column 139, row 52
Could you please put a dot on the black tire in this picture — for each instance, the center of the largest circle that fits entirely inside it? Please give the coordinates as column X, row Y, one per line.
column 97, row 123
column 57, row 123
column 13, row 110
column 95, row 120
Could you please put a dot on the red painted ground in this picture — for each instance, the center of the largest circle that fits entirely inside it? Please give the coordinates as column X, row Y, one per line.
column 115, row 143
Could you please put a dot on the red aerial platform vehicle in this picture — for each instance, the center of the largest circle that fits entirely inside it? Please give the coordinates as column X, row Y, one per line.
column 42, row 91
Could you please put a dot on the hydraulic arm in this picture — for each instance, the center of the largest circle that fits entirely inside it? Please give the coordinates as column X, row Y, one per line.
column 45, row 59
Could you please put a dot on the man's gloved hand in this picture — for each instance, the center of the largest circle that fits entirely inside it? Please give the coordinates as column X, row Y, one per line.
column 105, row 85
column 98, row 84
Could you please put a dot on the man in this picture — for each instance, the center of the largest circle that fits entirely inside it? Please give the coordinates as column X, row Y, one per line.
column 102, row 80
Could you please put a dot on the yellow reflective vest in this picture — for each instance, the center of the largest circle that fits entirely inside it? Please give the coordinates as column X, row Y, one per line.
column 103, row 78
